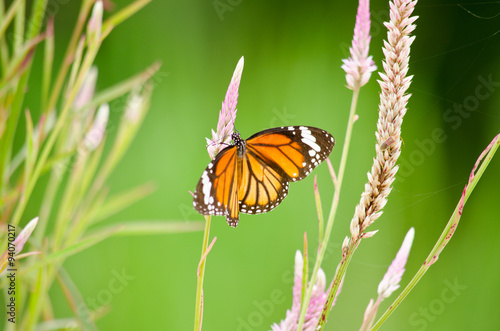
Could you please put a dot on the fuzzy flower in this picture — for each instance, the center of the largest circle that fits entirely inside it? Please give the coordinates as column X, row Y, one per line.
column 227, row 115
column 391, row 280
column 393, row 99
column 315, row 307
column 18, row 244
column 359, row 66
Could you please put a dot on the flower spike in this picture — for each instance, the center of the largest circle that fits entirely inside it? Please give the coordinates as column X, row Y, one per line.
column 315, row 304
column 227, row 115
column 359, row 66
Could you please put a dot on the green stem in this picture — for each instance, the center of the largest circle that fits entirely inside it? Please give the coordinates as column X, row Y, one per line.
column 36, row 19
column 19, row 26
column 8, row 136
column 121, row 16
column 89, row 59
column 8, row 17
column 199, row 288
column 47, row 203
column 446, row 235
column 337, row 280
column 48, row 61
column 56, row 90
column 4, row 51
column 333, row 210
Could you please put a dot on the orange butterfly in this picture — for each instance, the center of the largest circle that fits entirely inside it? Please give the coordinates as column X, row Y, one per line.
column 251, row 176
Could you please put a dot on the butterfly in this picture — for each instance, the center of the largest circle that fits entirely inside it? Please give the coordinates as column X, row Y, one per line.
column 251, row 176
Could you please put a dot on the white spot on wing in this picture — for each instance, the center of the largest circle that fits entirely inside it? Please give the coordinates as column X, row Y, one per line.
column 207, row 187
column 312, row 144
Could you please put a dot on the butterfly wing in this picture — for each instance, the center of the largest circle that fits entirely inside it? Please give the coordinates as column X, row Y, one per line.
column 217, row 190
column 275, row 157
column 293, row 150
column 253, row 176
column 262, row 187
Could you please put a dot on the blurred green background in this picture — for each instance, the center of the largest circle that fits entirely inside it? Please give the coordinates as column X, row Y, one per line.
column 292, row 76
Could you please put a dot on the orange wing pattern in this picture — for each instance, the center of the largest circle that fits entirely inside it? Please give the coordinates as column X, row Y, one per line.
column 263, row 187
column 217, row 190
column 252, row 176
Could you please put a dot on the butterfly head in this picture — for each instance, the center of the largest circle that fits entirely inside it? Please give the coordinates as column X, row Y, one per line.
column 235, row 136
column 239, row 143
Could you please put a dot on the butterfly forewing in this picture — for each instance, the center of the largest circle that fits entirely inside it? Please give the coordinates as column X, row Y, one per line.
column 252, row 176
column 294, row 150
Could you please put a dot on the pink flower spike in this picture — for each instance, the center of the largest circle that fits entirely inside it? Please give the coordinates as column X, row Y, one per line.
column 392, row 278
column 316, row 303
column 19, row 242
column 227, row 115
column 359, row 66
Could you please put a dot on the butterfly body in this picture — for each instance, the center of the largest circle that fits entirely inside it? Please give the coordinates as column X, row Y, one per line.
column 251, row 176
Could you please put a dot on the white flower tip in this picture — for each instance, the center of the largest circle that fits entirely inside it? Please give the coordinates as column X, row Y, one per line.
column 94, row 25
column 94, row 136
column 369, row 234
column 299, row 265
column 320, row 281
column 133, row 110
column 22, row 238
column 32, row 224
column 97, row 10
column 240, row 64
column 92, row 71
column 298, row 258
column 408, row 241
column 237, row 73
column 345, row 243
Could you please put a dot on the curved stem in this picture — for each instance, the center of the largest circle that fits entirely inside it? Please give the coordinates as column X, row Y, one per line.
column 198, row 317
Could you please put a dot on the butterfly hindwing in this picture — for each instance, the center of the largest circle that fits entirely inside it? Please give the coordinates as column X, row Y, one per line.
column 263, row 187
